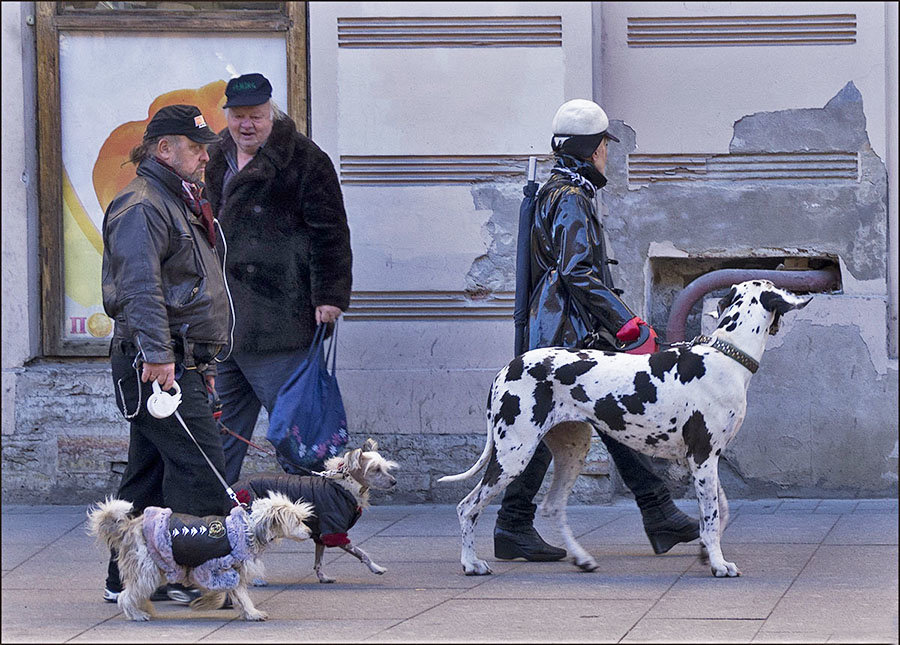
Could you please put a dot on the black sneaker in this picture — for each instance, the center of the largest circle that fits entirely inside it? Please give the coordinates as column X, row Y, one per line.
column 113, row 596
column 227, row 604
column 181, row 594
column 524, row 543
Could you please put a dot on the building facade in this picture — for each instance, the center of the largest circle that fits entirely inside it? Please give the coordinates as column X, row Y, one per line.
column 753, row 136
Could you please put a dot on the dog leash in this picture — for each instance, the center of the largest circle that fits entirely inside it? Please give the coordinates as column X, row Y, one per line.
column 216, row 406
column 225, row 430
column 228, row 489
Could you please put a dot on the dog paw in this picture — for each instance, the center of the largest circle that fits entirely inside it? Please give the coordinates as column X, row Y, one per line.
column 256, row 616
column 726, row 570
column 259, row 582
column 139, row 616
column 587, row 565
column 477, row 568
column 325, row 580
column 378, row 571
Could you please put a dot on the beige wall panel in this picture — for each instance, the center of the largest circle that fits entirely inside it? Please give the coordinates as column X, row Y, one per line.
column 666, row 93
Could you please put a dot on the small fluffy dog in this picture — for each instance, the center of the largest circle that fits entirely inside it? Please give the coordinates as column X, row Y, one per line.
column 338, row 495
column 209, row 552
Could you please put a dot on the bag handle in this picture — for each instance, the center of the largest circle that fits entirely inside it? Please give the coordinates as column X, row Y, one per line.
column 332, row 349
column 318, row 340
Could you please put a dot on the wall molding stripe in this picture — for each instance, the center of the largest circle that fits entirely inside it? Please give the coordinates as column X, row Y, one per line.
column 644, row 169
column 450, row 31
column 433, row 169
column 429, row 305
column 705, row 31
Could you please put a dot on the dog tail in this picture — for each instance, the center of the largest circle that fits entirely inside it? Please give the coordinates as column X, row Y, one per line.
column 482, row 460
column 107, row 520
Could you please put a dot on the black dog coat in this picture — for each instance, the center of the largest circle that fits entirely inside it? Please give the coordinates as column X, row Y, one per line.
column 336, row 510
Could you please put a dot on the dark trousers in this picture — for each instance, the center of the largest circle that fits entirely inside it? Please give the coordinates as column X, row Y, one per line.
column 165, row 467
column 245, row 382
column 517, row 509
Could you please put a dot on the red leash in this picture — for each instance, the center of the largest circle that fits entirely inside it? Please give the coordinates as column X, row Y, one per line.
column 225, row 430
column 216, row 406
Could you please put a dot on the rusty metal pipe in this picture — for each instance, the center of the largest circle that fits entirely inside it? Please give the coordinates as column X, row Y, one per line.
column 794, row 280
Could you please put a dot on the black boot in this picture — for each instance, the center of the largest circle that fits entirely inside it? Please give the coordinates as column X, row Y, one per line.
column 665, row 524
column 524, row 542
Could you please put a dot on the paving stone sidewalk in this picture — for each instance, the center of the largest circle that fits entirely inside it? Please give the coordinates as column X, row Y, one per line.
column 814, row 571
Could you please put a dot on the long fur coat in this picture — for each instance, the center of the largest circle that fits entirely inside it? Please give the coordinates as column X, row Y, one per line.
column 288, row 240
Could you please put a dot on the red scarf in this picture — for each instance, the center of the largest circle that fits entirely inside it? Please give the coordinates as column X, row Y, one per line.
column 193, row 197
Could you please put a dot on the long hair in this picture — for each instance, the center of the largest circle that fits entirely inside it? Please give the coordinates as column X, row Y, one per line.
column 145, row 149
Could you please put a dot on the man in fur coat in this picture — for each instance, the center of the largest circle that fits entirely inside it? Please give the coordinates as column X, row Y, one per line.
column 287, row 261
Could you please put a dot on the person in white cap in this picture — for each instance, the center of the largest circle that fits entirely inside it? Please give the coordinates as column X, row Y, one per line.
column 574, row 304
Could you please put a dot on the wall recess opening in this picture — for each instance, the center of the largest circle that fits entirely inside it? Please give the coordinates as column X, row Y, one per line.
column 670, row 275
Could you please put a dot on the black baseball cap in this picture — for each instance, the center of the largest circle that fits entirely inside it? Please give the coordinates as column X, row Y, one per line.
column 180, row 119
column 248, row 89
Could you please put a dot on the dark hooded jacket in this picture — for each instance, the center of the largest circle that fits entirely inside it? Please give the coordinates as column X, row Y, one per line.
column 572, row 290
column 288, row 243
column 159, row 271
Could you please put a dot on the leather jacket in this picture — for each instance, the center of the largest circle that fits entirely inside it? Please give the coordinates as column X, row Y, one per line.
column 572, row 290
column 159, row 271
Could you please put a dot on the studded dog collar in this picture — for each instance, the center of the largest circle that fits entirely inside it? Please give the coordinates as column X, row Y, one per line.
column 729, row 350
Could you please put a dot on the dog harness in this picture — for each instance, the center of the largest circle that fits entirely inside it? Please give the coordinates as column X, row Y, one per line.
column 336, row 510
column 199, row 550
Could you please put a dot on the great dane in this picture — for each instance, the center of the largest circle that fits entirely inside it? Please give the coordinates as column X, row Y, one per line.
column 684, row 403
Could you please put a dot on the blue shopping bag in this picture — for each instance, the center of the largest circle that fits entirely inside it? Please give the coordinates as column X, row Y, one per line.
column 308, row 423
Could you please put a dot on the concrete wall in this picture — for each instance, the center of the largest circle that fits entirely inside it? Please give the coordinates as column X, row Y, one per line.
column 430, row 321
column 21, row 277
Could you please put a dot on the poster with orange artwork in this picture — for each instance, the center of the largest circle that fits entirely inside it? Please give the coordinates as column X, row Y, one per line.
column 110, row 87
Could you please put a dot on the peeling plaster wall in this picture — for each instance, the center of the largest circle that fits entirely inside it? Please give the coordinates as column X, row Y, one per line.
column 495, row 270
column 714, row 217
column 827, row 387
column 824, row 384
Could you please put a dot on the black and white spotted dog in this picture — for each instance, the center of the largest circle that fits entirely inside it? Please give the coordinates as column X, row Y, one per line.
column 684, row 403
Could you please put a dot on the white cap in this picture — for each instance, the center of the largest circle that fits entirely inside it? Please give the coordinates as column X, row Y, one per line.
column 580, row 117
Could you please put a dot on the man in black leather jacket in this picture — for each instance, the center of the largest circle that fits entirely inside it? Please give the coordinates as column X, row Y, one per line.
column 573, row 303
column 163, row 287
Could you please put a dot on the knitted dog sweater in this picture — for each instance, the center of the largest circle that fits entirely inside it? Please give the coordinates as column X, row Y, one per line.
column 198, row 550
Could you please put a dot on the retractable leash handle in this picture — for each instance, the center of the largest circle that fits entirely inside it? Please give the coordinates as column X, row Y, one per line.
column 646, row 342
column 162, row 404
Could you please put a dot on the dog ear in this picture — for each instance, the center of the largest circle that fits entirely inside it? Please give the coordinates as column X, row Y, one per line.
column 782, row 302
column 351, row 459
column 370, row 445
column 725, row 302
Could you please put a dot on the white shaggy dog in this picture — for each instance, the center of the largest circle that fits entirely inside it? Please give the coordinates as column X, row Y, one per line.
column 338, row 496
column 208, row 552
column 684, row 403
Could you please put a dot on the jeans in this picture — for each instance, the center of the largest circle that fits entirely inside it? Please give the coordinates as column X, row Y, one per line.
column 165, row 468
column 517, row 508
column 246, row 381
